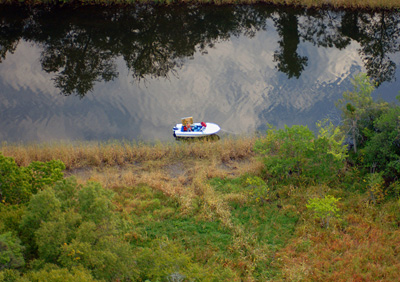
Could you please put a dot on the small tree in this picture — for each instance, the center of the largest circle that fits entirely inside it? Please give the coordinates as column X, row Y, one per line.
column 18, row 184
column 358, row 108
column 165, row 260
column 74, row 225
column 53, row 273
column 334, row 139
column 375, row 187
column 258, row 190
column 285, row 149
column 295, row 151
column 14, row 182
column 324, row 209
column 382, row 151
column 10, row 252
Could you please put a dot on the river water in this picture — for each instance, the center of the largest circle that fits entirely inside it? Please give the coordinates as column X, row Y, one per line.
column 93, row 73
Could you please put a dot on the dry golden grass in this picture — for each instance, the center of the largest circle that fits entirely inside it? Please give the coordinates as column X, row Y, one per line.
column 80, row 155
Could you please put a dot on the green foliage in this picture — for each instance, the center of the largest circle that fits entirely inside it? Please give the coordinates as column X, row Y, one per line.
column 66, row 191
column 14, row 182
column 41, row 208
column 10, row 275
column 17, row 184
column 295, row 152
column 10, row 218
column 95, row 202
column 44, row 174
column 374, row 128
column 109, row 257
column 53, row 273
column 258, row 190
column 375, row 187
column 164, row 260
column 285, row 149
column 52, row 234
column 355, row 104
column 10, row 252
column 327, row 158
column 324, row 208
column 359, row 110
column 382, row 151
column 76, row 226
column 333, row 139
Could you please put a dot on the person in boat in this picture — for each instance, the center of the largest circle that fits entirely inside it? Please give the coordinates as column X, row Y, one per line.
column 187, row 127
column 203, row 126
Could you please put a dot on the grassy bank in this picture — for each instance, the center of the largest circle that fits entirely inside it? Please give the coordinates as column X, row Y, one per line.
column 196, row 210
column 166, row 166
column 79, row 155
column 354, row 4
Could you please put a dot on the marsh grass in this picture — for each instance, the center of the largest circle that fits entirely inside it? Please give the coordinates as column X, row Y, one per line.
column 363, row 251
column 79, row 155
column 215, row 228
column 195, row 194
column 360, row 246
column 169, row 168
column 165, row 190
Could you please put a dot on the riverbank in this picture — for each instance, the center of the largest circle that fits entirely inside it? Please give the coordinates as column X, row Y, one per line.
column 336, row 4
column 207, row 211
column 79, row 155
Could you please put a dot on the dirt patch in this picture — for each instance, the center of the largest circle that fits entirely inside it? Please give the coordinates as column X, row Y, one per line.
column 83, row 173
column 175, row 169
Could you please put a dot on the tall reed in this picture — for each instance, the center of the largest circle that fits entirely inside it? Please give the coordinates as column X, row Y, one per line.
column 90, row 154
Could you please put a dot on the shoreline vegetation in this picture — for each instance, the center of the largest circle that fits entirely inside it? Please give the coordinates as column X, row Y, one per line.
column 335, row 4
column 286, row 206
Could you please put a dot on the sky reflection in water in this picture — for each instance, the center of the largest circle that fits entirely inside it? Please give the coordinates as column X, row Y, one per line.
column 241, row 78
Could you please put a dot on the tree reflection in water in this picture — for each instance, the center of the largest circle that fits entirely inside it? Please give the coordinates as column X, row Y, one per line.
column 80, row 45
column 288, row 61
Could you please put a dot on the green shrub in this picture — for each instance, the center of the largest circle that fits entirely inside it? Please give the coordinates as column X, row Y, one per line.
column 43, row 207
column 324, row 209
column 375, row 188
column 44, row 174
column 73, row 226
column 164, row 260
column 382, row 150
column 10, row 275
column 53, row 273
column 294, row 152
column 258, row 190
column 11, row 255
column 285, row 150
column 14, row 182
column 95, row 202
column 18, row 184
column 359, row 110
column 10, row 218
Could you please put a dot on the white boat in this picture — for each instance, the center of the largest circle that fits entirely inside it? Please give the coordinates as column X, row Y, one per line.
column 196, row 129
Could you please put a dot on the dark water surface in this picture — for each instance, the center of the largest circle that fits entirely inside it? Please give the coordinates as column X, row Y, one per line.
column 131, row 73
